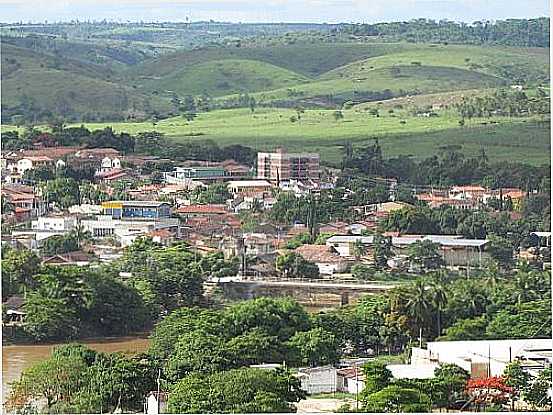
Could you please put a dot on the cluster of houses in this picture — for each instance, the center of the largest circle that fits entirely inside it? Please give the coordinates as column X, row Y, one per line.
column 165, row 210
column 471, row 197
column 480, row 358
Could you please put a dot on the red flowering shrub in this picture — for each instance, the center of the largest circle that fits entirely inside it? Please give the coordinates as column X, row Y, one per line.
column 492, row 390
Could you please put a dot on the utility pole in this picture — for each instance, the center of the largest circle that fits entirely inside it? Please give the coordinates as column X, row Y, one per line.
column 158, row 390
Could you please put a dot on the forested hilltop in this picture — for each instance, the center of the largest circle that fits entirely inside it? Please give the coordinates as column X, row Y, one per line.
column 511, row 32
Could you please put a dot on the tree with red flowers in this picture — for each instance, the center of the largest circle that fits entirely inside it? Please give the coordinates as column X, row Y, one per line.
column 489, row 391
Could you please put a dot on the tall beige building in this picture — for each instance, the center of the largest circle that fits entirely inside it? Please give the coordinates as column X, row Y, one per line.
column 280, row 165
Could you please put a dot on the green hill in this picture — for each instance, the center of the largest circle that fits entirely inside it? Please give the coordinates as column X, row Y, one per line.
column 39, row 85
column 308, row 59
column 228, row 76
column 305, row 73
column 382, row 83
column 522, row 64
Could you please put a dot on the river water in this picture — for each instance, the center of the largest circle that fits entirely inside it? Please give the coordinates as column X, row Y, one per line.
column 16, row 358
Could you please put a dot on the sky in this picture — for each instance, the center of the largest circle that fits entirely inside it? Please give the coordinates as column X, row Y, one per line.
column 313, row 11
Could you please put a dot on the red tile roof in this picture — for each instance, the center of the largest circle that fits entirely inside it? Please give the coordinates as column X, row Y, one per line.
column 52, row 152
column 203, row 209
column 318, row 253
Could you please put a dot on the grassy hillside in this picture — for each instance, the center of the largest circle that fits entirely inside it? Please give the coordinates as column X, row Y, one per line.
column 504, row 139
column 384, row 83
column 226, row 77
column 503, row 62
column 314, row 74
column 309, row 59
column 40, row 84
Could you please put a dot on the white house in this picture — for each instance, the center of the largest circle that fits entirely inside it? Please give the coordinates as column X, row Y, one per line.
column 54, row 223
column 326, row 258
column 419, row 371
column 483, row 358
column 109, row 163
column 350, row 380
column 29, row 163
column 455, row 249
column 318, row 379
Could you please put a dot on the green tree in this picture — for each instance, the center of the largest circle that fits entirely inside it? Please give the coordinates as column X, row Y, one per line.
column 259, row 391
column 18, row 269
column 537, row 393
column 377, row 377
column 439, row 295
column 359, row 249
column 295, row 266
column 396, row 399
column 166, row 333
column 313, row 348
column 501, row 250
column 419, row 304
column 382, row 250
column 426, row 254
column 55, row 380
column 49, row 318
column 280, row 317
column 518, row 379
column 467, row 329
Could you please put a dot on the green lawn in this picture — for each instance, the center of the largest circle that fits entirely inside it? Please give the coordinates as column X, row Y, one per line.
column 510, row 139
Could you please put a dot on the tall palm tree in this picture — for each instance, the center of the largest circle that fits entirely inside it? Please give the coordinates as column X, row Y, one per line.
column 420, row 303
column 439, row 298
column 81, row 235
column 359, row 249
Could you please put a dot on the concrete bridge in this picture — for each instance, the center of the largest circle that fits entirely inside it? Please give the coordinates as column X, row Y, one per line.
column 316, row 294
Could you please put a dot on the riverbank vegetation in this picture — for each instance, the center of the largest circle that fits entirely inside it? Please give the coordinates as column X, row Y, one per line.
column 196, row 346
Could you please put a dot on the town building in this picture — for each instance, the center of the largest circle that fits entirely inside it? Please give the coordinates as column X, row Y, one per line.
column 320, row 379
column 456, row 251
column 282, row 166
column 54, row 223
column 181, row 175
column 325, row 257
column 76, row 258
column 350, row 380
column 255, row 188
column 485, row 358
column 128, row 220
column 132, row 209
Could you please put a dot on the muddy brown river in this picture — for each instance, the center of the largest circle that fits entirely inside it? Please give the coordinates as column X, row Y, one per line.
column 16, row 358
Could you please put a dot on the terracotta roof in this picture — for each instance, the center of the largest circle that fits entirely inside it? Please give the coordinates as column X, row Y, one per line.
column 203, row 209
column 68, row 257
column 468, row 189
column 162, row 233
column 514, row 193
column 318, row 253
column 38, row 158
column 97, row 152
column 15, row 302
column 112, row 174
column 351, row 373
column 52, row 152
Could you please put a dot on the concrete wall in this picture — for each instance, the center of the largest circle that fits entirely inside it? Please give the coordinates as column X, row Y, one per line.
column 309, row 296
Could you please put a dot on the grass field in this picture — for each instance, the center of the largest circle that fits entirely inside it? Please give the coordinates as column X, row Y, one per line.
column 226, row 77
column 409, row 80
column 325, row 74
column 60, row 85
column 526, row 140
